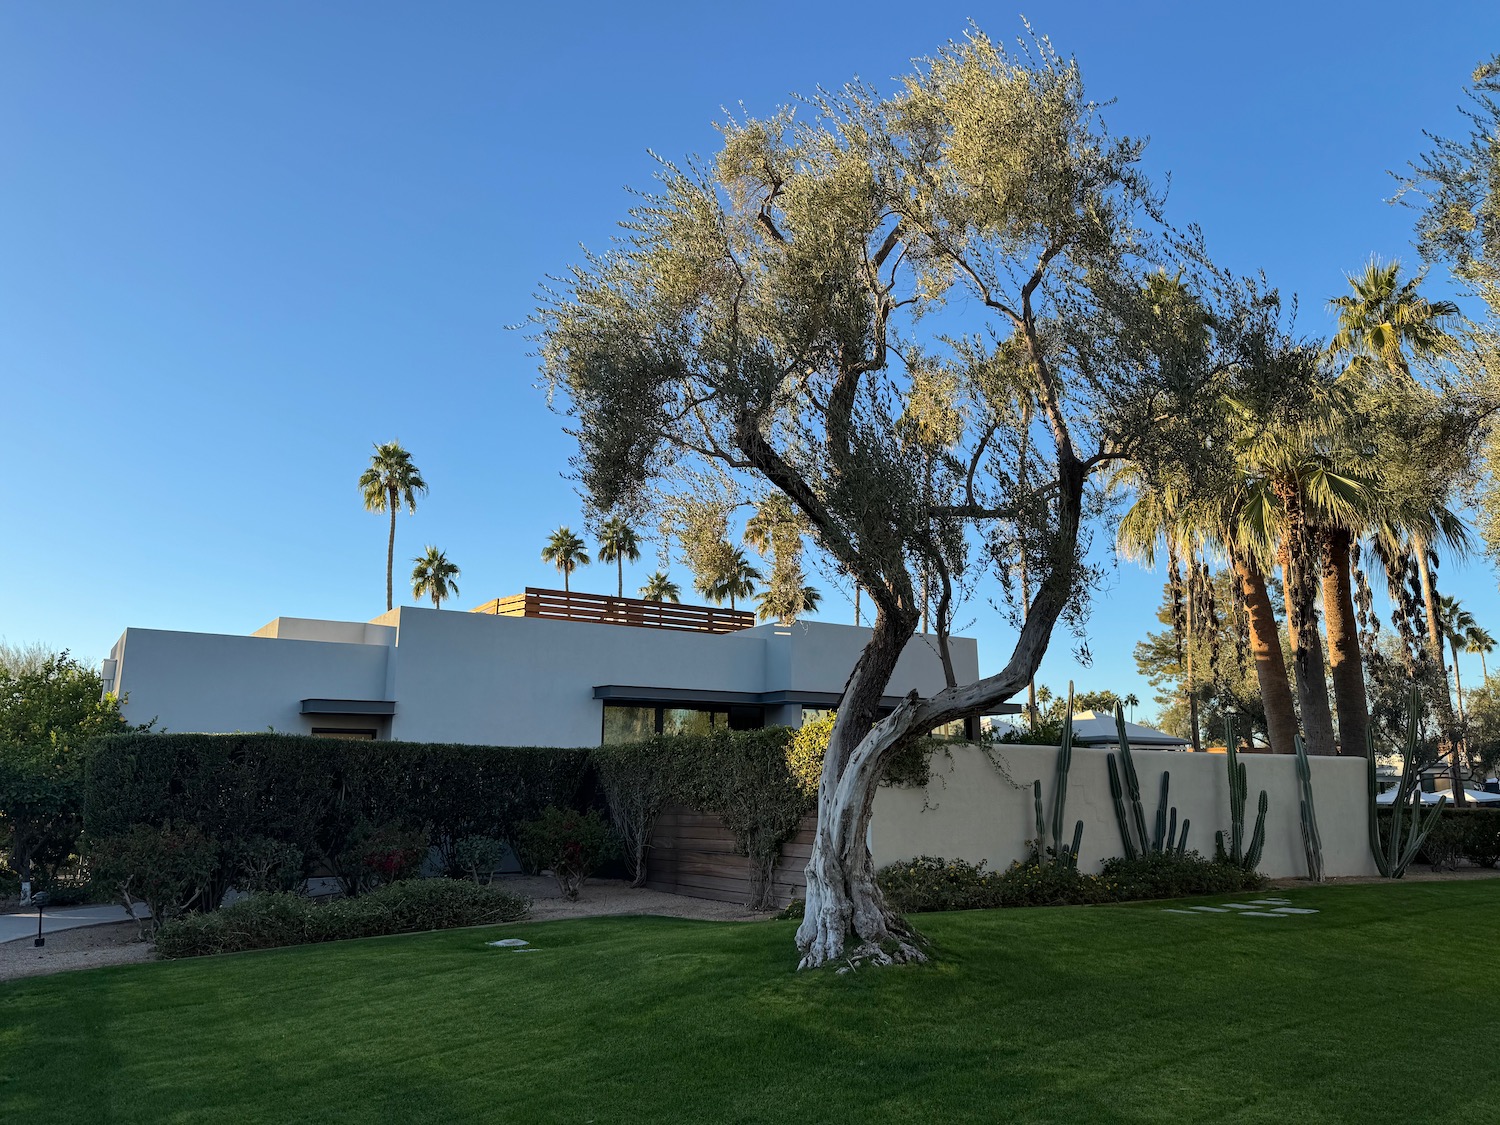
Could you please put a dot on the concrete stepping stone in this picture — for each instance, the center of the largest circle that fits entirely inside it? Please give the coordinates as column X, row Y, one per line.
column 1238, row 906
column 509, row 943
column 1294, row 910
column 1174, row 910
column 1210, row 910
column 1260, row 914
column 1272, row 901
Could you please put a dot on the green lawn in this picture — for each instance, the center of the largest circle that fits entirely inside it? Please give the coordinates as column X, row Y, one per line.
column 1380, row 1008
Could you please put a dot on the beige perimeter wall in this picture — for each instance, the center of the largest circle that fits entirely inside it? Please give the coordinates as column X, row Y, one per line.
column 978, row 805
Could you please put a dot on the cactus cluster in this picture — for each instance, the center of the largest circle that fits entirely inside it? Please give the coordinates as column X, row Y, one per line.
column 1064, row 855
column 1123, row 780
column 1408, row 828
column 1312, row 839
column 1236, row 852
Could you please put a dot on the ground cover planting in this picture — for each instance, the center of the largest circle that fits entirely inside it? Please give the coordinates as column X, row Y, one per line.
column 1110, row 1013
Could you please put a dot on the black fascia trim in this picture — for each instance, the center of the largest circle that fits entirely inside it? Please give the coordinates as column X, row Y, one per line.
column 348, row 706
column 620, row 693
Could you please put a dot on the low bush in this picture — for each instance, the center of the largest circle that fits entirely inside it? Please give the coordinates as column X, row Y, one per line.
column 168, row 868
column 930, row 883
column 478, row 857
column 1472, row 834
column 267, row 921
column 568, row 843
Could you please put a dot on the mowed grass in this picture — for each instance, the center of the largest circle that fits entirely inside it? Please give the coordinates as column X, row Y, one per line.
column 1379, row 1008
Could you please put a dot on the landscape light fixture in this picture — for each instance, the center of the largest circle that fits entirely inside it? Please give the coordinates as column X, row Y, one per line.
column 39, row 901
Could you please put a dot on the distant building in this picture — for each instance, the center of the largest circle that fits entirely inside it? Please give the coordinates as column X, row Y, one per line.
column 540, row 669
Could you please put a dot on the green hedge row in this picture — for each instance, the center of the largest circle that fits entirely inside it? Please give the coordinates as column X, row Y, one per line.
column 326, row 798
column 270, row 920
column 1472, row 834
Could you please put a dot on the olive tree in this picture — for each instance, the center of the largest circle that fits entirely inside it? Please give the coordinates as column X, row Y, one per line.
column 852, row 305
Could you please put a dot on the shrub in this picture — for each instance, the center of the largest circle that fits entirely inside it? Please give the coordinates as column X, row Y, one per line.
column 271, row 920
column 168, row 868
column 1472, row 834
column 639, row 779
column 570, row 844
column 929, row 883
column 267, row 865
column 478, row 857
column 1162, row 875
column 390, row 854
column 909, row 767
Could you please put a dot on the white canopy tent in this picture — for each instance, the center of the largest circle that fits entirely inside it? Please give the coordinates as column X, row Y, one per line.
column 1091, row 728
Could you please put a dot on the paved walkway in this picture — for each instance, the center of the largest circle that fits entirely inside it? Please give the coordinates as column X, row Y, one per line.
column 14, row 927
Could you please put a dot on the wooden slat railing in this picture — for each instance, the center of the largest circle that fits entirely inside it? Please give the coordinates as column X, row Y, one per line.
column 559, row 605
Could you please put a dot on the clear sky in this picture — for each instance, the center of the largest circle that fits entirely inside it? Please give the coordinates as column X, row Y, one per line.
column 241, row 243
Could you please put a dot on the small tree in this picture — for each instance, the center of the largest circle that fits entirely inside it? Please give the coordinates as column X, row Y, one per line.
column 764, row 321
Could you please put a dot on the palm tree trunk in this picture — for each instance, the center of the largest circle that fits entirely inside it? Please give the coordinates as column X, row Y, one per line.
column 1435, row 647
column 565, row 571
column 620, row 574
column 1343, row 643
column 1192, row 687
column 390, row 555
column 1458, row 685
column 1302, row 625
column 857, row 589
column 1483, row 668
column 1429, row 606
column 1265, row 648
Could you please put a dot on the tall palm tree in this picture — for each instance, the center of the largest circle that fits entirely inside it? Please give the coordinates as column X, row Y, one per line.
column 390, row 481
column 1456, row 622
column 1479, row 641
column 567, row 552
column 1132, row 702
column 737, row 579
column 433, row 577
column 660, row 588
column 618, row 544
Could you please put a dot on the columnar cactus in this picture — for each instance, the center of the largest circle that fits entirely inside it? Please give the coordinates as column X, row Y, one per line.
column 1406, row 833
column 1312, row 840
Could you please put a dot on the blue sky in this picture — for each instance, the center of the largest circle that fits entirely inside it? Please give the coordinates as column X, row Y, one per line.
column 240, row 243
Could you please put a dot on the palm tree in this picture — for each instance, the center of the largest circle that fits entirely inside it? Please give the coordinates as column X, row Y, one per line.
column 567, row 552
column 771, row 607
column 433, row 577
column 660, row 588
column 390, row 481
column 737, row 579
column 1480, row 642
column 1384, row 321
column 618, row 544
column 1456, row 622
column 1132, row 702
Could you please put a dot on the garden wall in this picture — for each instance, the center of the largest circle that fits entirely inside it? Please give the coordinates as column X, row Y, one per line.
column 978, row 806
column 693, row 854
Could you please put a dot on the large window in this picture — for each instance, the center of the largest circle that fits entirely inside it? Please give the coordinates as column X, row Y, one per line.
column 634, row 722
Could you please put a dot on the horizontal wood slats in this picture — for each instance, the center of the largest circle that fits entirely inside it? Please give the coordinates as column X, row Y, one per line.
column 560, row 605
column 693, row 854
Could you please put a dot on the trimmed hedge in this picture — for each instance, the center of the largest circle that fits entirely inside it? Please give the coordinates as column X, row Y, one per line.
column 930, row 883
column 272, row 920
column 326, row 797
column 1472, row 834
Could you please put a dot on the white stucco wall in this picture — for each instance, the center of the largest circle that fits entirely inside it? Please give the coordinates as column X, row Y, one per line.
column 972, row 810
column 217, row 683
column 478, row 678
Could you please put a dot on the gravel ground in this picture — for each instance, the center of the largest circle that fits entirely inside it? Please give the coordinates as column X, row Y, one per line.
column 92, row 946
column 84, row 948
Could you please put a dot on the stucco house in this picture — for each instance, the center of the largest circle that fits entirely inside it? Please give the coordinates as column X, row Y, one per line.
column 540, row 669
